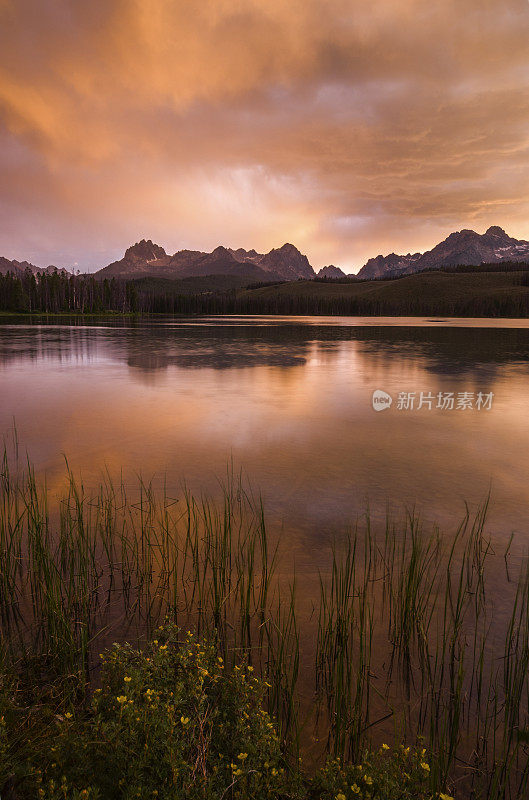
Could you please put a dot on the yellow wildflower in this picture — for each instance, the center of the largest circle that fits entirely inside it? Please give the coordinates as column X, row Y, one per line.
column 385, row 747
column 340, row 796
column 68, row 715
column 127, row 679
column 355, row 789
column 121, row 699
column 445, row 796
column 242, row 756
column 368, row 780
column 425, row 766
column 184, row 720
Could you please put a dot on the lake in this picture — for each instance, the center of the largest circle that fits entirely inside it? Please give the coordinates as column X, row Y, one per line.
column 415, row 629
column 289, row 401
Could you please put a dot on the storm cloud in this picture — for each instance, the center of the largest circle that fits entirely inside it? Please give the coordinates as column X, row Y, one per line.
column 347, row 128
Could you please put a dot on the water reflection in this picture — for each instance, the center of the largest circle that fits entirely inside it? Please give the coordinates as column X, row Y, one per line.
column 290, row 401
column 154, row 346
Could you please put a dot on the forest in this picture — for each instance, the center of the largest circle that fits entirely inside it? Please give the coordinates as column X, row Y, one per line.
column 59, row 292
column 463, row 293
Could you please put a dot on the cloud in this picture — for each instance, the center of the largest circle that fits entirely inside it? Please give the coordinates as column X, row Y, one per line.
column 348, row 128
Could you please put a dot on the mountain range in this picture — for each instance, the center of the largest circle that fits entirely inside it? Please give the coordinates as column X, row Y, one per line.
column 146, row 259
column 464, row 247
column 286, row 263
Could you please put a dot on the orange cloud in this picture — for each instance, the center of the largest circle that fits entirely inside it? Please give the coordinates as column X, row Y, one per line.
column 350, row 129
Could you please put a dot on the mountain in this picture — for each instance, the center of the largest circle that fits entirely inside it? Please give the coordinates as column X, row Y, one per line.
column 146, row 259
column 144, row 251
column 287, row 262
column 19, row 268
column 51, row 269
column 136, row 261
column 462, row 247
column 331, row 272
column 219, row 262
column 16, row 267
column 243, row 255
column 469, row 247
column 381, row 266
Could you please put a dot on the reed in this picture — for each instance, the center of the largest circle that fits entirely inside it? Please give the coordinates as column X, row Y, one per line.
column 409, row 633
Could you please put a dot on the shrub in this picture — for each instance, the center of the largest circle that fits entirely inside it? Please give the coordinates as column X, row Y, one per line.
column 402, row 774
column 169, row 722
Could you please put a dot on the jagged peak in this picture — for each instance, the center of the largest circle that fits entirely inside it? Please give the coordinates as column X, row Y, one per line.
column 288, row 247
column 144, row 248
column 462, row 232
column 331, row 271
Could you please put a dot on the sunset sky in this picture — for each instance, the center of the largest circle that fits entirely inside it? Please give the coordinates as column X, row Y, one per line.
column 349, row 128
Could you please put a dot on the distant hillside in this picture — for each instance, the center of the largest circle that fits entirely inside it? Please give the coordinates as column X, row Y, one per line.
column 463, row 247
column 20, row 268
column 208, row 284
column 435, row 293
column 146, row 259
column 472, row 292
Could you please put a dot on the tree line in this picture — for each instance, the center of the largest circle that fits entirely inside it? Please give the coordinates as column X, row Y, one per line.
column 499, row 305
column 60, row 292
column 82, row 294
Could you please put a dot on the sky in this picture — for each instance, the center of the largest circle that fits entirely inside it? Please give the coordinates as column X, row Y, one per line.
column 346, row 127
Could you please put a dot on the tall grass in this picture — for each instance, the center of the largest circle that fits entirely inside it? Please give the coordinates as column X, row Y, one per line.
column 413, row 631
